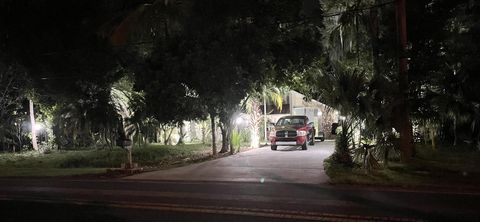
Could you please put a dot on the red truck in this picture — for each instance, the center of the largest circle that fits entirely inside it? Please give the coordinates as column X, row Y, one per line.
column 292, row 130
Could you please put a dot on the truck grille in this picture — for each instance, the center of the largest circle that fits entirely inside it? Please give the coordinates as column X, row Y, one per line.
column 285, row 133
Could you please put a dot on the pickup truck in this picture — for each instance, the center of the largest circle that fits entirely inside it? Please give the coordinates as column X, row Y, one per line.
column 292, row 130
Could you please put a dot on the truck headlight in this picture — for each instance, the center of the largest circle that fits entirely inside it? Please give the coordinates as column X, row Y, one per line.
column 301, row 133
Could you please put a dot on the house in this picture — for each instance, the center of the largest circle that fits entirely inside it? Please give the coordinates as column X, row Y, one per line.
column 294, row 104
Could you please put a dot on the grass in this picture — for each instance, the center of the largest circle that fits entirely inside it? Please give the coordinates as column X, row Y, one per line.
column 49, row 172
column 440, row 168
column 62, row 163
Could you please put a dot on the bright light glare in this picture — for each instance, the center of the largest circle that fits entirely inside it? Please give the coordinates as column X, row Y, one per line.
column 38, row 127
column 342, row 117
column 239, row 120
column 319, row 113
column 255, row 140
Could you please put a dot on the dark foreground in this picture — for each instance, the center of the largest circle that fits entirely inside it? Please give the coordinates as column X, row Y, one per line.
column 122, row 200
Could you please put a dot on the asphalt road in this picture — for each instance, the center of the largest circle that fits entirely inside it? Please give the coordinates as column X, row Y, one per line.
column 194, row 193
column 289, row 164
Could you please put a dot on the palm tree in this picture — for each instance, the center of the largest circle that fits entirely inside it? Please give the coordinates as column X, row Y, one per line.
column 252, row 107
column 122, row 97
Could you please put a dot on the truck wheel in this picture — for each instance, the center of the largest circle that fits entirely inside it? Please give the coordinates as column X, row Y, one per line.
column 273, row 147
column 304, row 146
column 323, row 139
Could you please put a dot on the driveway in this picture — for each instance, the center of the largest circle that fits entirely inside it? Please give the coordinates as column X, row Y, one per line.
column 286, row 165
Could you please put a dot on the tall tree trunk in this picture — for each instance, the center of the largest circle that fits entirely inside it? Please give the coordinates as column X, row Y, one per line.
column 374, row 38
column 454, row 131
column 204, row 132
column 226, row 128
column 167, row 134
column 357, row 40
column 165, row 28
column 181, row 134
column 139, row 135
column 32, row 122
column 265, row 116
column 225, row 142
column 433, row 137
column 214, row 139
column 232, row 147
column 406, row 135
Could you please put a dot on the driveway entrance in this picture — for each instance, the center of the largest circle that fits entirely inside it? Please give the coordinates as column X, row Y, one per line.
column 286, row 165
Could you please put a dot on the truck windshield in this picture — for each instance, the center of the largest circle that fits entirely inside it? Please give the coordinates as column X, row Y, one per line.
column 291, row 121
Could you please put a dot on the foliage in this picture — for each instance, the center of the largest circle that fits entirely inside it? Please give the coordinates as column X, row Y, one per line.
column 354, row 78
column 343, row 145
column 12, row 95
column 445, row 168
column 236, row 140
column 152, row 155
column 99, row 69
column 214, row 61
column 445, row 50
column 364, row 83
column 253, row 104
column 185, row 62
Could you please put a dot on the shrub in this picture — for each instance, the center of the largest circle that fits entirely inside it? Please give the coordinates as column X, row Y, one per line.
column 341, row 155
column 236, row 139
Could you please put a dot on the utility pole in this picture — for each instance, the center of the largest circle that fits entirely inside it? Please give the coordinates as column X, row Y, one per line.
column 406, row 136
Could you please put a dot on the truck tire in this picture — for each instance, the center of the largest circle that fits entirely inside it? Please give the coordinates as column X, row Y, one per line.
column 304, row 146
column 273, row 147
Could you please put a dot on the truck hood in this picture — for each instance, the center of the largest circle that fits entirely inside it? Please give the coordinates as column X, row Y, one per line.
column 294, row 127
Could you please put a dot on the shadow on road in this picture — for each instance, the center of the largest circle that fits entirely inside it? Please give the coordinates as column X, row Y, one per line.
column 387, row 205
column 290, row 148
column 16, row 211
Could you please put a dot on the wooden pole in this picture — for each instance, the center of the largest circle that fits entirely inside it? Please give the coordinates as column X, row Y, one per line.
column 406, row 135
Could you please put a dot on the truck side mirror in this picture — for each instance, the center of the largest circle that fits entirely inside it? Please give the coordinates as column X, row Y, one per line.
column 334, row 128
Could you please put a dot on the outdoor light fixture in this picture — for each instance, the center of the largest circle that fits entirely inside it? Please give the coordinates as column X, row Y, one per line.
column 342, row 118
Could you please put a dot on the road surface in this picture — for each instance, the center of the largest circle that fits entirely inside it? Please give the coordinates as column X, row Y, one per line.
column 292, row 189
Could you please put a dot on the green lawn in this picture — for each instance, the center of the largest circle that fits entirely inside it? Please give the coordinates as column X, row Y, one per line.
column 429, row 168
column 62, row 163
